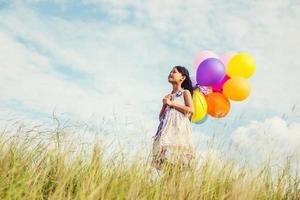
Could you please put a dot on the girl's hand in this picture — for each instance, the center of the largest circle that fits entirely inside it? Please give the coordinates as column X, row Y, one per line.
column 167, row 100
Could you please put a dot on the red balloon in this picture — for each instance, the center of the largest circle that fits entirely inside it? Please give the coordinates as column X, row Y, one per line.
column 219, row 86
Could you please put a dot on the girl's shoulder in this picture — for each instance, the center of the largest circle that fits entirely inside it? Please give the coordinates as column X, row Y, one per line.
column 187, row 95
column 186, row 92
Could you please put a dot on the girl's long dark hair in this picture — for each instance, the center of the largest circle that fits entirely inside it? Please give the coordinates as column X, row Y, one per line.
column 187, row 83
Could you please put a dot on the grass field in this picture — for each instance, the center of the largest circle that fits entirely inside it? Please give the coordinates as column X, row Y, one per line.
column 39, row 165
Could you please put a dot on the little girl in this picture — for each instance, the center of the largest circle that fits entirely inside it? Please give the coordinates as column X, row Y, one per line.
column 172, row 141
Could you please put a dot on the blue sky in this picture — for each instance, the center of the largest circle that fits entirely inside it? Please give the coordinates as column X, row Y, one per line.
column 90, row 60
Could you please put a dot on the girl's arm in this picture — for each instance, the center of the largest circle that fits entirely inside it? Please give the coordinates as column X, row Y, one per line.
column 162, row 110
column 188, row 108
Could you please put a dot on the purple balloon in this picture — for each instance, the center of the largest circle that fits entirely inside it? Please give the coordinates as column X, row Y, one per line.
column 210, row 71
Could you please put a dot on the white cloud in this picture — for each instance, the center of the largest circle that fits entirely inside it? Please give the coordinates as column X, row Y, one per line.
column 120, row 76
column 273, row 137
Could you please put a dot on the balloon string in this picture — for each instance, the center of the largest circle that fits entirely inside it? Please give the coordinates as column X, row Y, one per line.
column 203, row 89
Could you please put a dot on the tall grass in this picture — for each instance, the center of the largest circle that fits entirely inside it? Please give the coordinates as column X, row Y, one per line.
column 40, row 165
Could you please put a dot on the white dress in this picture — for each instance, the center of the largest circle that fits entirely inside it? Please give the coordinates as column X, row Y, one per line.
column 172, row 141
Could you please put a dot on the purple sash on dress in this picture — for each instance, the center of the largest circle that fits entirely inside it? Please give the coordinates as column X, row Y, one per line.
column 158, row 132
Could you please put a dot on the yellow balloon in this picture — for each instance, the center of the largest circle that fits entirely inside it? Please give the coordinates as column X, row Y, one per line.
column 237, row 88
column 200, row 106
column 242, row 64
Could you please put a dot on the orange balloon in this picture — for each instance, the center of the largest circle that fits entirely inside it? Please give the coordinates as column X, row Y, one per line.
column 217, row 105
column 237, row 88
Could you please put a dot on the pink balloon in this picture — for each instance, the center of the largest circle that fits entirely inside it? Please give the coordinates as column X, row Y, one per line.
column 227, row 57
column 218, row 87
column 202, row 56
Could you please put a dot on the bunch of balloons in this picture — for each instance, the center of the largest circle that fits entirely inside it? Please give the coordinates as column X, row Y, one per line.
column 219, row 80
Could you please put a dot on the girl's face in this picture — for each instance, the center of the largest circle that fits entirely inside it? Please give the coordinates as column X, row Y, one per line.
column 175, row 76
